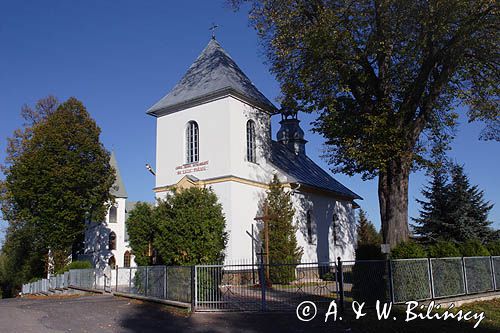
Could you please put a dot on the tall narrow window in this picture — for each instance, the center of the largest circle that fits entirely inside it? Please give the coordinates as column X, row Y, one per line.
column 251, row 152
column 126, row 259
column 113, row 212
column 112, row 241
column 192, row 142
column 334, row 227
column 112, row 262
column 309, row 227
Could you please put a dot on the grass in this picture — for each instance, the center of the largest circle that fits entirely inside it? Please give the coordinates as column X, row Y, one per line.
column 370, row 323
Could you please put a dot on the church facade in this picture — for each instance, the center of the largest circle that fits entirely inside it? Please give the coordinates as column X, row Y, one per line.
column 214, row 129
column 106, row 242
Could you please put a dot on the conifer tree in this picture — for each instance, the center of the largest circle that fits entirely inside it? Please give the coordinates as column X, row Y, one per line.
column 468, row 210
column 454, row 210
column 431, row 224
column 367, row 234
column 283, row 247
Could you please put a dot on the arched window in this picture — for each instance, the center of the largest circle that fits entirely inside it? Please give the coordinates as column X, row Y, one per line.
column 251, row 152
column 112, row 241
column 126, row 259
column 112, row 262
column 309, row 228
column 192, row 142
column 113, row 212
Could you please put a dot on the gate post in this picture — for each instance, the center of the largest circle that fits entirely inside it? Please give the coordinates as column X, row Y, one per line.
column 340, row 278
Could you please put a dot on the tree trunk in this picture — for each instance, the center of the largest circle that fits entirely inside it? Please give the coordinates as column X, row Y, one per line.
column 393, row 201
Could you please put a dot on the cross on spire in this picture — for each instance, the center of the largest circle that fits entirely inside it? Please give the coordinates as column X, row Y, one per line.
column 212, row 28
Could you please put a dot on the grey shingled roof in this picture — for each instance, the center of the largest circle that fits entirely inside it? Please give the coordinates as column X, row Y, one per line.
column 212, row 75
column 118, row 189
column 304, row 171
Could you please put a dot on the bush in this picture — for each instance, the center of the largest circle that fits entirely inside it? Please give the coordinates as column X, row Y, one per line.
column 369, row 252
column 494, row 248
column 78, row 264
column 473, row 248
column 407, row 250
column 443, row 249
column 369, row 281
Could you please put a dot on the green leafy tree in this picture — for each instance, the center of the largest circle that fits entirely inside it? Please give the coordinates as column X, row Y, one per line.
column 283, row 247
column 142, row 226
column 367, row 234
column 385, row 77
column 191, row 228
column 57, row 177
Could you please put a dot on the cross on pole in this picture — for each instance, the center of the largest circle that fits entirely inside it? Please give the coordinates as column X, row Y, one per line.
column 213, row 28
column 266, row 218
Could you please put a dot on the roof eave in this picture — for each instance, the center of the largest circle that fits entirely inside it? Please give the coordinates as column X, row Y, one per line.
column 219, row 94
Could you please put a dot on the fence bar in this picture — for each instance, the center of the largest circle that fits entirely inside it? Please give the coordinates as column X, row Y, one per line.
column 465, row 276
column 431, row 278
column 493, row 277
column 391, row 281
column 341, row 285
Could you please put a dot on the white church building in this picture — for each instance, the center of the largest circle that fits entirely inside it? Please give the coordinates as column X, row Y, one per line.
column 214, row 129
column 106, row 242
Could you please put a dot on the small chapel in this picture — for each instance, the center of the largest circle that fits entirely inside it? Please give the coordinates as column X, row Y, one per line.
column 213, row 129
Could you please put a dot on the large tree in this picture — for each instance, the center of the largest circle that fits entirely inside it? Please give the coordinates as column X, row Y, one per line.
column 385, row 77
column 58, row 177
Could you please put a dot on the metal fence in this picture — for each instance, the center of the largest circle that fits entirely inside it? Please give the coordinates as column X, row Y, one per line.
column 281, row 287
column 172, row 283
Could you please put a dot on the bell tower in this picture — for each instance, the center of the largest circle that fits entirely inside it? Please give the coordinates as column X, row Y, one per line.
column 290, row 134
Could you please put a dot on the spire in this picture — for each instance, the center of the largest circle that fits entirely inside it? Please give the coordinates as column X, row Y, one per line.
column 213, row 75
column 118, row 188
column 290, row 134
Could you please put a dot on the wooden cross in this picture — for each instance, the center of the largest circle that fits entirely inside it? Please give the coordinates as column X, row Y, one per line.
column 266, row 218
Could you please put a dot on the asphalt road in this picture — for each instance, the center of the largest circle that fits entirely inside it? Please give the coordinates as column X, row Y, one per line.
column 111, row 314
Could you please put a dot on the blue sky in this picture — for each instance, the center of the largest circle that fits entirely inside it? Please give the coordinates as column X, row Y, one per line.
column 119, row 57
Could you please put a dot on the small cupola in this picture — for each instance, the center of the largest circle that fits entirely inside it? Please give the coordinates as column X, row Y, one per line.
column 290, row 134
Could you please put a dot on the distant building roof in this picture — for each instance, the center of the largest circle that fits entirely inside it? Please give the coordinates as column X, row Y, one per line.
column 304, row 171
column 118, row 189
column 213, row 75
